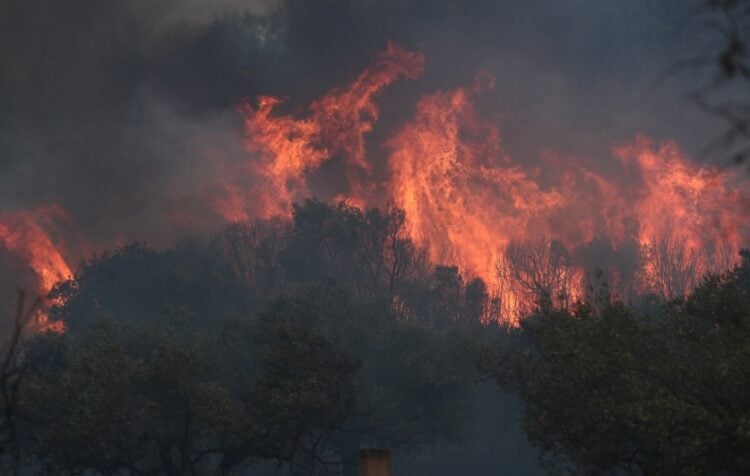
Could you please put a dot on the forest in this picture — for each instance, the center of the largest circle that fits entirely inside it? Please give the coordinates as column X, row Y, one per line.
column 257, row 237
column 291, row 345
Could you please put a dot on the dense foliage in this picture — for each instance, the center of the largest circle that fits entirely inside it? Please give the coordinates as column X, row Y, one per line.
column 611, row 389
column 295, row 344
column 271, row 342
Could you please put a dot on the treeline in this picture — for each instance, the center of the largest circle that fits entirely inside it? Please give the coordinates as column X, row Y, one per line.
column 285, row 343
column 612, row 389
column 296, row 343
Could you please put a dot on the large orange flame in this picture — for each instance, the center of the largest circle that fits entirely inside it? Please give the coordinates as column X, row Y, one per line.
column 462, row 196
column 690, row 217
column 521, row 229
column 470, row 205
column 23, row 234
column 284, row 149
column 533, row 234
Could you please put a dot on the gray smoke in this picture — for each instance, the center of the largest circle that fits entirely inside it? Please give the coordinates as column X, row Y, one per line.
column 124, row 112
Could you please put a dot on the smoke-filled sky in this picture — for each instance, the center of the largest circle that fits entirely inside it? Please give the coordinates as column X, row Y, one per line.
column 118, row 110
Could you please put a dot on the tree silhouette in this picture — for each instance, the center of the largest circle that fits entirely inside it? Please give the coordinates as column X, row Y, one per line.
column 10, row 381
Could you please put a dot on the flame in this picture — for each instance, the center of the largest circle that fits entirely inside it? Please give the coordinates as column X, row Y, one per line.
column 695, row 214
column 468, row 203
column 463, row 198
column 532, row 233
column 23, row 234
column 701, row 204
column 284, row 149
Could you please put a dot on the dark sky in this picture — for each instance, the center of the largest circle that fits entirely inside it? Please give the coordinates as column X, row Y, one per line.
column 118, row 110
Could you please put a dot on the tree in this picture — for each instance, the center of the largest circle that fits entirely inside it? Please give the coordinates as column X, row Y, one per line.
column 123, row 399
column 675, row 266
column 367, row 251
column 608, row 390
column 137, row 283
column 725, row 94
column 541, row 273
column 10, row 381
column 612, row 271
column 252, row 252
column 302, row 397
column 333, row 358
column 169, row 398
column 442, row 301
column 413, row 382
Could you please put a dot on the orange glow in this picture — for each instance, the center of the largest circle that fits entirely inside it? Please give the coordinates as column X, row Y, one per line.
column 284, row 149
column 698, row 213
column 470, row 205
column 519, row 228
column 463, row 198
column 545, row 234
column 697, row 202
column 23, row 235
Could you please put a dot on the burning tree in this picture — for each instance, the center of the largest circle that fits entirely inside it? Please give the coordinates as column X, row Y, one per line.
column 612, row 271
column 541, row 273
column 608, row 390
column 674, row 266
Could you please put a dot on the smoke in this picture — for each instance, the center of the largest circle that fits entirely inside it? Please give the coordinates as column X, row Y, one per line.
column 124, row 113
column 167, row 15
